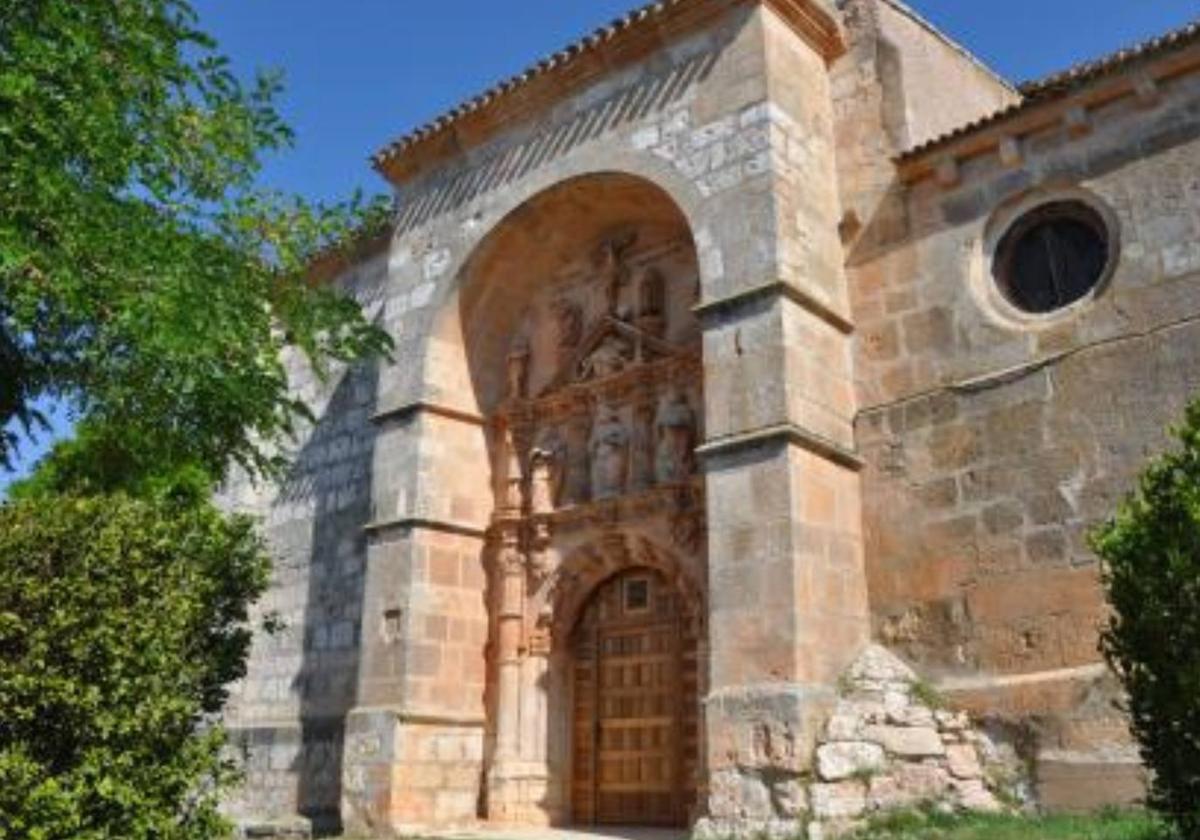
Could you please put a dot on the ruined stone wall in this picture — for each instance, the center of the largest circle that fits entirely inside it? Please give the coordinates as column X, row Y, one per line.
column 992, row 443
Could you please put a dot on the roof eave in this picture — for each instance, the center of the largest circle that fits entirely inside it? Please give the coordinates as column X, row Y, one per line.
column 812, row 20
column 1046, row 102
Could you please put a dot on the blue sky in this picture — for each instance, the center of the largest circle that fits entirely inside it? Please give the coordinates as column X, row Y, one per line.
column 361, row 72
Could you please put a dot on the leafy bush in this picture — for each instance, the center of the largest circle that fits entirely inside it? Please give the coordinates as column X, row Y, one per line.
column 121, row 622
column 1151, row 568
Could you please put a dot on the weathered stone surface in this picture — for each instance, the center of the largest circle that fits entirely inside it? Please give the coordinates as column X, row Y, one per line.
column 974, row 796
column 790, row 798
column 839, row 800
column 853, row 758
column 910, row 742
column 908, row 785
column 877, row 666
column 963, row 761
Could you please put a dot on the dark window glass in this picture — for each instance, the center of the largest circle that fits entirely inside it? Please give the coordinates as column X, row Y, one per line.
column 1052, row 256
column 637, row 594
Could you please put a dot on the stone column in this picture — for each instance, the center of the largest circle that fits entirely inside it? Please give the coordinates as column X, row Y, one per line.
column 509, row 624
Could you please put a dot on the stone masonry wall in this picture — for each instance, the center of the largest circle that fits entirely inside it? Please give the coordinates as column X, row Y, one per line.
column 286, row 717
column 992, row 445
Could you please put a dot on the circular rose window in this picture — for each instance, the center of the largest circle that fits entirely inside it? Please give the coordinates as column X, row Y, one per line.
column 1052, row 256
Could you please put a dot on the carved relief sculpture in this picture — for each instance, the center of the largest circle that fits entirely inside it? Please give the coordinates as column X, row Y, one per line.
column 518, row 369
column 610, row 357
column 614, row 273
column 575, row 473
column 676, row 427
column 545, row 472
column 643, row 446
column 651, row 314
column 609, row 450
column 568, row 324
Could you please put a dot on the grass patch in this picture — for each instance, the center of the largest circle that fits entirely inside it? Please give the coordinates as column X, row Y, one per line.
column 929, row 825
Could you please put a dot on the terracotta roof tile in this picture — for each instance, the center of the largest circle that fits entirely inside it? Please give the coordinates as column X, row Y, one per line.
column 1066, row 81
column 555, row 60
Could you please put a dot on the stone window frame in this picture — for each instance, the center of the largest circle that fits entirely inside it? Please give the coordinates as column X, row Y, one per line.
column 986, row 287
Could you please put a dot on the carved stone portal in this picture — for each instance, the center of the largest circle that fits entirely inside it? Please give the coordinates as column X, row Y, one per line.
column 595, row 444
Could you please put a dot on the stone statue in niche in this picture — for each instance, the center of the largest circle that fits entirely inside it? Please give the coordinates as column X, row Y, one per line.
column 575, row 472
column 609, row 450
column 610, row 357
column 518, row 368
column 643, row 447
column 652, row 302
column 614, row 272
column 676, row 432
column 545, row 472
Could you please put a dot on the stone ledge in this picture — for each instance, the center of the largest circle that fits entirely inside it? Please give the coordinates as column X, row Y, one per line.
column 783, row 432
column 378, row 530
column 420, row 718
column 777, row 288
column 401, row 413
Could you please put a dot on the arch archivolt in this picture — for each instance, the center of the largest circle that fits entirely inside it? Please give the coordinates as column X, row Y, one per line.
column 561, row 597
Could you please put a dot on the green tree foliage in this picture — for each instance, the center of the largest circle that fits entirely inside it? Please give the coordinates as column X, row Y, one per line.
column 146, row 282
column 1151, row 568
column 142, row 277
column 121, row 622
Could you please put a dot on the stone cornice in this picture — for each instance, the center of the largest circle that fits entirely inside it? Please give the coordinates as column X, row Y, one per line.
column 403, row 413
column 378, row 530
column 787, row 433
column 777, row 288
column 581, row 63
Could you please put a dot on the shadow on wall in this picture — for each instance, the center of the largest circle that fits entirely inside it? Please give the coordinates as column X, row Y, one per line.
column 331, row 477
column 652, row 94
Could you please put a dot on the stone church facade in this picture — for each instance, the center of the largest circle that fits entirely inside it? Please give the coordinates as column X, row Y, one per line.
column 760, row 367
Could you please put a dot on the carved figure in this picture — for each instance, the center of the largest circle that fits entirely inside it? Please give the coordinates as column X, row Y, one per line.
column 568, row 323
column 643, row 446
column 614, row 272
column 609, row 449
column 518, row 368
column 676, row 427
column 652, row 302
column 575, row 471
column 610, row 357
column 545, row 472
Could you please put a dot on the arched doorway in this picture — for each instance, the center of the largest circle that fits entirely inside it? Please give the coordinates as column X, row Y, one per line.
column 583, row 358
column 634, row 683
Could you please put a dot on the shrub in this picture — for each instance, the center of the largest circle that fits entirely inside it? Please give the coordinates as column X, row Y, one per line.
column 1150, row 554
column 121, row 622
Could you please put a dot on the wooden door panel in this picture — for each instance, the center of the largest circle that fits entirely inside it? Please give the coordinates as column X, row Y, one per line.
column 635, row 733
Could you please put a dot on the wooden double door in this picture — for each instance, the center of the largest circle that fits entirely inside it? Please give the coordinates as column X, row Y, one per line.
column 635, row 705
